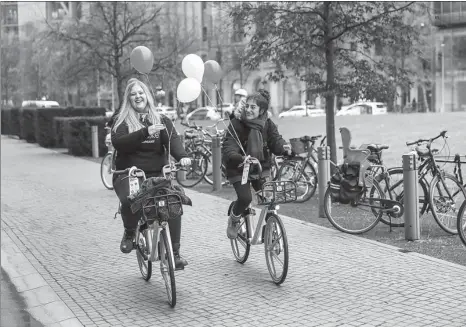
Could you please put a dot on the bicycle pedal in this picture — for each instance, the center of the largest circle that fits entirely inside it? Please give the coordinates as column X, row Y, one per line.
column 176, row 269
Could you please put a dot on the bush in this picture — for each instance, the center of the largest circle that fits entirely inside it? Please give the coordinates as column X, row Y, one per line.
column 6, row 117
column 27, row 123
column 46, row 133
column 78, row 135
column 15, row 128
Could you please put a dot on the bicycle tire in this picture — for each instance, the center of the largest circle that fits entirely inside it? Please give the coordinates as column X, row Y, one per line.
column 327, row 203
column 461, row 223
column 105, row 170
column 269, row 248
column 198, row 159
column 240, row 240
column 400, row 197
column 167, row 267
column 312, row 186
column 434, row 209
column 208, row 176
column 145, row 265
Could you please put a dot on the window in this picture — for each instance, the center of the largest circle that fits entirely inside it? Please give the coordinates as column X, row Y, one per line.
column 204, row 33
column 238, row 31
column 446, row 7
column 456, row 7
column 204, row 5
column 10, row 14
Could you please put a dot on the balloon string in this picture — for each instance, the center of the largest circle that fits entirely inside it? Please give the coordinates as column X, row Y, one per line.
column 207, row 96
column 218, row 93
column 151, row 88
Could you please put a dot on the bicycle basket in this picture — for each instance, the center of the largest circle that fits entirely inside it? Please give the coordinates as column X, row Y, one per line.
column 162, row 207
column 298, row 146
column 277, row 192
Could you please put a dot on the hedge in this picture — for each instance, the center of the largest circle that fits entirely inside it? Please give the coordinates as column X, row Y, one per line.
column 59, row 130
column 46, row 133
column 27, row 123
column 6, row 117
column 13, row 123
column 78, row 135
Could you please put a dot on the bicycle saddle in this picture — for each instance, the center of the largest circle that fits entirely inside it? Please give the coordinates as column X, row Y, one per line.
column 307, row 138
column 377, row 147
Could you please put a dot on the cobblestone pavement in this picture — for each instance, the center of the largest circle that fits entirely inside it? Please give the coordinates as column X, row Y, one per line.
column 57, row 212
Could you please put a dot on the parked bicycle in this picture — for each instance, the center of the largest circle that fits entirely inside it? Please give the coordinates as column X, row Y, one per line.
column 152, row 238
column 107, row 166
column 269, row 228
column 461, row 222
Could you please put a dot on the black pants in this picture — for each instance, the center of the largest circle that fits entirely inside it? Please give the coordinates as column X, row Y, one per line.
column 243, row 193
column 130, row 219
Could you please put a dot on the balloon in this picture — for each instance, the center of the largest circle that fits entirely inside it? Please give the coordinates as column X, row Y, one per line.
column 188, row 90
column 142, row 59
column 193, row 66
column 212, row 72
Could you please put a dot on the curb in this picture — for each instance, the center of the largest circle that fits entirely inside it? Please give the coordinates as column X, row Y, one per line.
column 42, row 302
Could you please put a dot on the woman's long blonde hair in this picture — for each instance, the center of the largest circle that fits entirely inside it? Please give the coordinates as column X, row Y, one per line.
column 127, row 113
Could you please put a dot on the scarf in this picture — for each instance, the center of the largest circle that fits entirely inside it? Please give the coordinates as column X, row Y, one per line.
column 255, row 147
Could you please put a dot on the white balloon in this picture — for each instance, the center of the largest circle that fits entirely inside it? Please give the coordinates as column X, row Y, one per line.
column 193, row 66
column 188, row 90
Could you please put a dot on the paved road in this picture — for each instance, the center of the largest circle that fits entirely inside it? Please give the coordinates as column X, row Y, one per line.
column 13, row 307
column 56, row 211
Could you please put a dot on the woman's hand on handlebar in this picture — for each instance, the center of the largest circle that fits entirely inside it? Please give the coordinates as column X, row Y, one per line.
column 287, row 150
column 185, row 162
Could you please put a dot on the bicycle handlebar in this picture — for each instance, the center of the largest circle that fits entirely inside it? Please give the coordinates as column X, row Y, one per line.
column 442, row 134
column 252, row 160
column 174, row 167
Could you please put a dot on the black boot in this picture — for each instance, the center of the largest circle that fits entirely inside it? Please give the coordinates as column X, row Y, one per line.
column 126, row 245
column 179, row 261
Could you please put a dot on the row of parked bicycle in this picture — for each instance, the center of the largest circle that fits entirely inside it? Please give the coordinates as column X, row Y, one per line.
column 362, row 190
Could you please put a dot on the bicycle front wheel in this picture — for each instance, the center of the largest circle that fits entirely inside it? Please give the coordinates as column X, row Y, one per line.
column 142, row 253
column 306, row 182
column 276, row 248
column 106, row 173
column 167, row 267
column 195, row 172
column 358, row 216
column 446, row 196
column 461, row 222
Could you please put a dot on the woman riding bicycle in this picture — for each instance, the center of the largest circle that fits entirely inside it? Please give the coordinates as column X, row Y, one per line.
column 258, row 136
column 141, row 137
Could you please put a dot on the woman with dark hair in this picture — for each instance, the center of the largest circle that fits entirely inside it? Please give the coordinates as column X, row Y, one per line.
column 258, row 136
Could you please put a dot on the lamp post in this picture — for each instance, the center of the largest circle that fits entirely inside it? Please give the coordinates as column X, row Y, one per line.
column 159, row 96
column 443, row 77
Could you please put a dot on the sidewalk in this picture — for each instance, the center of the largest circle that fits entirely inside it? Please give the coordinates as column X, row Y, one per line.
column 59, row 236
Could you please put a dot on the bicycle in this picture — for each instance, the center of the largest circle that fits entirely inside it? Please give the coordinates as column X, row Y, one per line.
column 461, row 223
column 272, row 234
column 200, row 151
column 301, row 170
column 439, row 204
column 152, row 240
column 107, row 166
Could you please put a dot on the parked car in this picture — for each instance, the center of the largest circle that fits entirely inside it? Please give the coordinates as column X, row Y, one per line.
column 363, row 108
column 204, row 113
column 39, row 104
column 170, row 112
column 302, row 111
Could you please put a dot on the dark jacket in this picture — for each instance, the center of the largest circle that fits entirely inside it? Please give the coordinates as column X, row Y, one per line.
column 148, row 153
column 232, row 155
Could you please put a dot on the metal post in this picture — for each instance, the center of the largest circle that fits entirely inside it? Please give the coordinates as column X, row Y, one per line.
column 411, row 198
column 181, row 174
column 95, row 141
column 216, row 163
column 323, row 156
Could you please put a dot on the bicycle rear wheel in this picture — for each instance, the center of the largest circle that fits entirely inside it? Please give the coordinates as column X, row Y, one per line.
column 358, row 216
column 195, row 172
column 445, row 208
column 105, row 171
column 306, row 181
column 461, row 222
column 208, row 177
column 142, row 252
column 240, row 245
column 276, row 248
column 167, row 267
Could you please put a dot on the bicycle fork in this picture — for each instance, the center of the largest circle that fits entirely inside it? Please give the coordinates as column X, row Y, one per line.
column 152, row 243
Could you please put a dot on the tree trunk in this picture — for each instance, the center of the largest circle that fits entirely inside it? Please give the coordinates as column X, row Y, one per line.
column 330, row 84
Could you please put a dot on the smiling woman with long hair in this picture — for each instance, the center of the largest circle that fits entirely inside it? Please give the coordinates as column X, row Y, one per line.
column 142, row 137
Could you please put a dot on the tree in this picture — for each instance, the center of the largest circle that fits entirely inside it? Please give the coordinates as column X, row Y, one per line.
column 312, row 41
column 10, row 68
column 109, row 33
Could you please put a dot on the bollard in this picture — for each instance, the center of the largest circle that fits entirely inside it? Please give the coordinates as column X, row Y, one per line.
column 181, row 174
column 323, row 156
column 216, row 163
column 95, row 141
column 411, row 198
